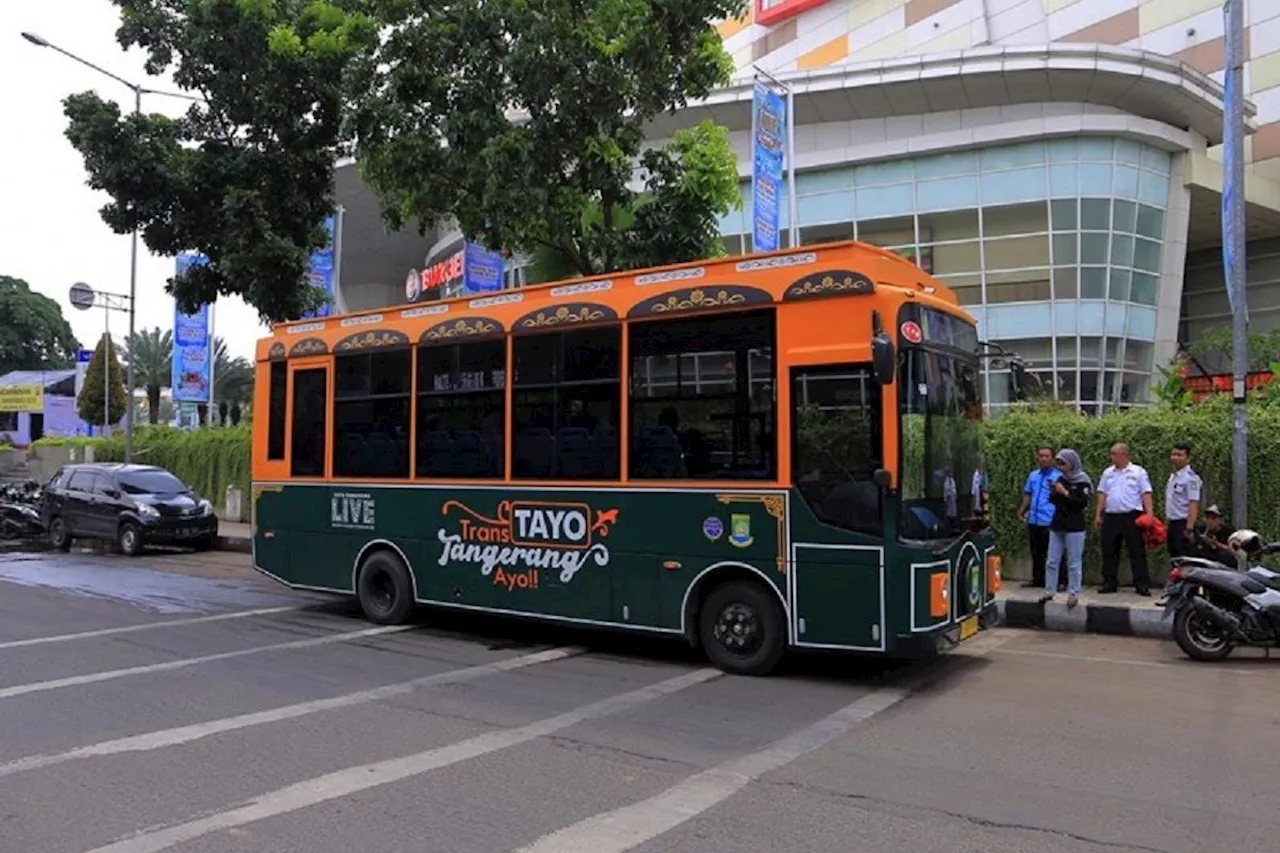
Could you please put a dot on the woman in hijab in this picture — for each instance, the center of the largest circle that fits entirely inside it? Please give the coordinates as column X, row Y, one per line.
column 1070, row 497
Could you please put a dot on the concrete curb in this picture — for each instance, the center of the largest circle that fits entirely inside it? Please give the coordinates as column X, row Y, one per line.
column 1085, row 618
column 237, row 544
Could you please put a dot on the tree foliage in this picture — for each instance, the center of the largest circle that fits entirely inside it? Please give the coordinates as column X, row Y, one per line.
column 94, row 405
column 151, row 352
column 246, row 175
column 33, row 333
column 525, row 123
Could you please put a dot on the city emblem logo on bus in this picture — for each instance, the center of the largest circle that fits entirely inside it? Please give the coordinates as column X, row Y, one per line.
column 740, row 530
column 975, row 585
column 521, row 538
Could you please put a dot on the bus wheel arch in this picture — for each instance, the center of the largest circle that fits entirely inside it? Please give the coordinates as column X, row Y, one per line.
column 383, row 582
column 741, row 593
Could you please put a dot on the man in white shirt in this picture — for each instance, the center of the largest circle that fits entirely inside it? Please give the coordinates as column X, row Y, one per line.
column 1124, row 493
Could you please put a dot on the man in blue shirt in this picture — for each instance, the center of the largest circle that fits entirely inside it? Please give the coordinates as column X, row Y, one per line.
column 1036, row 511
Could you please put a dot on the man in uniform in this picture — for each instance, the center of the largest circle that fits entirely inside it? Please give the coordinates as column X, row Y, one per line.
column 1124, row 494
column 1036, row 512
column 1181, row 501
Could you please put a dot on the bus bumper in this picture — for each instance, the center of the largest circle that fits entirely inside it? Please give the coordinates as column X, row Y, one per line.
column 951, row 637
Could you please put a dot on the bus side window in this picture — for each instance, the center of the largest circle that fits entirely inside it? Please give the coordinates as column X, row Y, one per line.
column 277, row 407
column 565, row 399
column 836, row 444
column 702, row 398
column 310, row 422
column 462, row 409
column 371, row 414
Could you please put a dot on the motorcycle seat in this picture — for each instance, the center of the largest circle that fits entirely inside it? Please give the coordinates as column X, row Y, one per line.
column 1270, row 579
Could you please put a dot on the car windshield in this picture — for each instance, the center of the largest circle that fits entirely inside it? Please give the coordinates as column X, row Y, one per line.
column 150, row 483
column 942, row 467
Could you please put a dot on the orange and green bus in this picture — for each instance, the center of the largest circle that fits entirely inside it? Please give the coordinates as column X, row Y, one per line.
column 758, row 454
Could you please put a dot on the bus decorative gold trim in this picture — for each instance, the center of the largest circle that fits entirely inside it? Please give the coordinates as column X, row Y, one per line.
column 374, row 339
column 829, row 283
column 277, row 352
column 776, row 506
column 701, row 299
column 572, row 314
column 463, row 327
column 308, row 346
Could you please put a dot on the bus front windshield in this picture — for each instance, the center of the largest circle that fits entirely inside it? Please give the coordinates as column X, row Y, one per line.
column 943, row 479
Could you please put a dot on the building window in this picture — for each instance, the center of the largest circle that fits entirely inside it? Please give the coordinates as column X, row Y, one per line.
column 565, row 399
column 277, row 409
column 371, row 414
column 462, row 409
column 702, row 398
column 8, row 421
column 310, row 437
column 836, row 444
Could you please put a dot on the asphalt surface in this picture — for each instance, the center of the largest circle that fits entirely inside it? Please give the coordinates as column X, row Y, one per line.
column 175, row 704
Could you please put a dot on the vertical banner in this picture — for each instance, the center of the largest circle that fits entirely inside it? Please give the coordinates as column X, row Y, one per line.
column 83, row 357
column 768, row 157
column 483, row 270
column 192, row 347
column 321, row 271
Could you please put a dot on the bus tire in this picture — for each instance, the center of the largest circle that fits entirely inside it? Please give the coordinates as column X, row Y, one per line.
column 384, row 588
column 741, row 628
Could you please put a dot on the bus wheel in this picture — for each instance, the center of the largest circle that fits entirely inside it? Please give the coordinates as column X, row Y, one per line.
column 384, row 588
column 742, row 629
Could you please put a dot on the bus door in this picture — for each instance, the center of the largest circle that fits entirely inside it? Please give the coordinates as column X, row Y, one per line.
column 837, row 546
column 310, row 546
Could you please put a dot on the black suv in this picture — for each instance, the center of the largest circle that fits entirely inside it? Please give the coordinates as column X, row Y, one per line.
column 131, row 505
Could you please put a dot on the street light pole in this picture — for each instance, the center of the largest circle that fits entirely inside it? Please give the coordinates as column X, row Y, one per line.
column 138, row 92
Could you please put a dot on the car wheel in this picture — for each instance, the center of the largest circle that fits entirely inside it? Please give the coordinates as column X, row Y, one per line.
column 59, row 535
column 129, row 539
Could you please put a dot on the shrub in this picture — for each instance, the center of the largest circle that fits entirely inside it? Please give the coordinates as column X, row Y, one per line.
column 1012, row 438
column 207, row 459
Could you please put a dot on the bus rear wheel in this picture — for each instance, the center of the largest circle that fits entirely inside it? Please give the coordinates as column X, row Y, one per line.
column 742, row 629
column 384, row 588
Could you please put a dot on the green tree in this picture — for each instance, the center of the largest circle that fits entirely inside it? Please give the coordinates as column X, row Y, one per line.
column 232, row 376
column 33, row 333
column 153, row 368
column 525, row 123
column 246, row 176
column 93, row 402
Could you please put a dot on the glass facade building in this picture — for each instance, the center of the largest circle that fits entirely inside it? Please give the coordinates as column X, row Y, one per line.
column 1054, row 245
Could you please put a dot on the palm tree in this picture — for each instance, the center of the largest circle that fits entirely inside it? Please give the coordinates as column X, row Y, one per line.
column 154, row 368
column 232, row 377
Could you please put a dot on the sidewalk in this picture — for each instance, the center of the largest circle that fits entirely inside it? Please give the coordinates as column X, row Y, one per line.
column 1124, row 613
column 234, row 536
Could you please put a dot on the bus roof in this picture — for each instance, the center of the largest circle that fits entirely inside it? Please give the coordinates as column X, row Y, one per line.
column 841, row 270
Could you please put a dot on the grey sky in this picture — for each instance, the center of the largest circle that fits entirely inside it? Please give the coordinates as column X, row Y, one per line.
column 50, row 231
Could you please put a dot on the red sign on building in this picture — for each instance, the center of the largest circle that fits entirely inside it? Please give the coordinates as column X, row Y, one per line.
column 770, row 12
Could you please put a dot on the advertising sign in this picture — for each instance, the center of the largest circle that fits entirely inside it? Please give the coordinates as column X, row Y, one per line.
column 321, row 272
column 484, row 269
column 21, row 398
column 768, row 122
column 470, row 269
column 83, row 357
column 191, row 347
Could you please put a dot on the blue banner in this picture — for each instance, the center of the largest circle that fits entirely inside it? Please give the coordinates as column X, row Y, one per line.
column 321, row 272
column 483, row 270
column 768, row 156
column 191, row 346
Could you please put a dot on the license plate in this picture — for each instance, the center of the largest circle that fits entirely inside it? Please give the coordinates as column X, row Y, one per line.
column 968, row 628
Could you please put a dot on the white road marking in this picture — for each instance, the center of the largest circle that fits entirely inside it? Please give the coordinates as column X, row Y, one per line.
column 1153, row 664
column 186, row 734
column 353, row 780
column 630, row 826
column 129, row 629
column 169, row 666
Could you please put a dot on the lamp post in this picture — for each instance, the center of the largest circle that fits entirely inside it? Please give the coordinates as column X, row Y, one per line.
column 138, row 92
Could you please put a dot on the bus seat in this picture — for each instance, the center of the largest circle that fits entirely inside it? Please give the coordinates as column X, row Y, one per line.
column 534, row 452
column 606, row 450
column 855, row 505
column 575, row 454
column 470, row 457
column 381, row 455
column 435, row 453
column 658, row 454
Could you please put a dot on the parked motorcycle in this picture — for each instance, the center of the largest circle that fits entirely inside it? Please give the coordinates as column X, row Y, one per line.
column 1217, row 607
column 19, row 521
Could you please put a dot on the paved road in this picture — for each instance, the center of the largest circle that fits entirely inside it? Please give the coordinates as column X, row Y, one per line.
column 202, row 713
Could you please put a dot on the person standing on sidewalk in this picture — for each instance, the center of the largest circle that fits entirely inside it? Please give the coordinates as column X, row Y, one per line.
column 1124, row 494
column 1036, row 511
column 1070, row 496
column 1182, row 501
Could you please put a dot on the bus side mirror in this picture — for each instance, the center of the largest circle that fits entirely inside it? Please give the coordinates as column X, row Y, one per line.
column 883, row 358
column 881, row 478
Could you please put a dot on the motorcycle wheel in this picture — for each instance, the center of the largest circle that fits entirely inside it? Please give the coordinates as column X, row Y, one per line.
column 1198, row 638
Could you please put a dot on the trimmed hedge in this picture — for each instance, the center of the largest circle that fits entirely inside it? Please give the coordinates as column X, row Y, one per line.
column 207, row 459
column 1011, row 440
